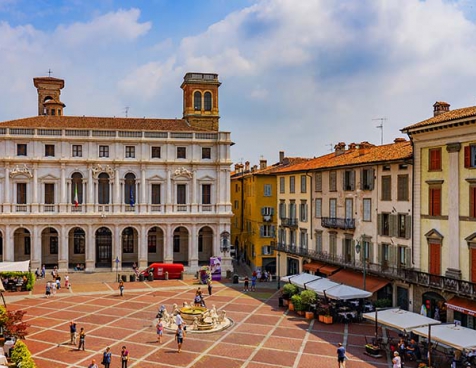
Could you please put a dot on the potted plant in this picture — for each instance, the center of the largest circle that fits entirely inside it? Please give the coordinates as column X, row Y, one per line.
column 297, row 303
column 325, row 315
column 308, row 298
column 288, row 291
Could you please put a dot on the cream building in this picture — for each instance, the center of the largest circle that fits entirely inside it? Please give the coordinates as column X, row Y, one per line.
column 107, row 192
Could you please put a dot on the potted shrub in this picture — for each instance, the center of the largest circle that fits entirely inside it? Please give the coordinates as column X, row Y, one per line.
column 297, row 303
column 308, row 298
column 288, row 291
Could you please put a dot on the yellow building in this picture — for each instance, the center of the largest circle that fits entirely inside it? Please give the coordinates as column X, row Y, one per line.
column 254, row 201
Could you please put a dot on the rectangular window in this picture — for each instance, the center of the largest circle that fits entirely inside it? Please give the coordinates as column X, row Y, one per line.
column 332, row 208
column 155, row 194
column 21, row 149
column 103, row 151
column 385, row 255
column 367, row 216
column 318, row 182
column 385, row 224
column 267, row 231
column 155, row 152
column 237, row 205
column 402, row 257
column 367, row 179
column 79, row 243
column 292, row 210
column 435, row 201
column 434, row 156
column 21, row 193
column 282, row 184
column 318, row 209
column 402, row 226
column 319, row 241
column 181, row 152
column 282, row 210
column 77, row 150
column 349, row 208
column 130, row 152
column 303, row 184
column 181, row 194
column 349, row 180
column 303, row 211
column 303, row 239
column 402, row 188
column 267, row 190
column 332, row 181
column 49, row 193
column 386, row 188
column 206, row 153
column 472, row 201
column 49, row 150
column 470, row 156
column 206, row 194
column 333, row 244
column 292, row 184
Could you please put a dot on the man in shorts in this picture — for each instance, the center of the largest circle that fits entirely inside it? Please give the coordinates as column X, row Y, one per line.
column 340, row 356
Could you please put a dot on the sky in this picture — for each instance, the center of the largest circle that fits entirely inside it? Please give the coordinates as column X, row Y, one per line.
column 297, row 76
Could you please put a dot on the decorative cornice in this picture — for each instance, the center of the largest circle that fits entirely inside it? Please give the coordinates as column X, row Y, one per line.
column 21, row 170
column 98, row 169
column 182, row 171
column 453, row 147
column 434, row 181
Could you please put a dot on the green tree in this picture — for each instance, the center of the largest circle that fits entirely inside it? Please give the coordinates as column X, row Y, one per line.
column 21, row 356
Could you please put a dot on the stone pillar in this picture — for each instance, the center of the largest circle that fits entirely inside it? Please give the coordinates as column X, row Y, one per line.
column 168, row 199
column 116, row 248
column 193, row 249
column 36, row 246
column 35, row 204
column 143, row 192
column 63, row 197
column 8, row 245
column 117, row 192
column 90, row 249
column 91, row 197
column 168, row 244
column 63, row 250
column 143, row 247
column 452, row 241
column 195, row 201
column 7, row 194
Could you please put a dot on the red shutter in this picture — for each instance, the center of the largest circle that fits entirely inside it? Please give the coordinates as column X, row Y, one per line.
column 435, row 259
column 435, row 202
column 472, row 202
column 435, row 159
column 467, row 156
column 473, row 264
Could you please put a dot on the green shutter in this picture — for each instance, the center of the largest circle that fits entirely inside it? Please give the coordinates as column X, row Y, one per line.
column 393, row 225
column 379, row 224
column 408, row 226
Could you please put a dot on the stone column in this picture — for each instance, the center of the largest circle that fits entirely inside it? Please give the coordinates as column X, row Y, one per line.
column 194, row 208
column 35, row 204
column 453, row 246
column 36, row 247
column 143, row 192
column 63, row 250
column 168, row 244
column 8, row 245
column 193, row 249
column 117, row 192
column 91, row 197
column 90, row 249
column 168, row 200
column 63, row 200
column 7, row 194
column 116, row 248
column 143, row 247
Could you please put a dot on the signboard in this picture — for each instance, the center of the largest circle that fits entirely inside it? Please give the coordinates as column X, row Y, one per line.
column 215, row 268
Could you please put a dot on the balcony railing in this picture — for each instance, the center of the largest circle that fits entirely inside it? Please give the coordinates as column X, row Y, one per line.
column 289, row 222
column 338, row 223
column 443, row 283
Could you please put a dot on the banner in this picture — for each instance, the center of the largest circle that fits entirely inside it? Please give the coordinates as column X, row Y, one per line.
column 215, row 268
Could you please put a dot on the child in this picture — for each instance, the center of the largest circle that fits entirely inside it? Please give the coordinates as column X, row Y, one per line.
column 160, row 330
column 66, row 282
column 179, row 337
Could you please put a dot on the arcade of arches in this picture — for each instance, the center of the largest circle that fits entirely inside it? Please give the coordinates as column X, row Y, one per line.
column 67, row 247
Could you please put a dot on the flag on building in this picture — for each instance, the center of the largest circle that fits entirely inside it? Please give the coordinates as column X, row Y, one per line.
column 76, row 201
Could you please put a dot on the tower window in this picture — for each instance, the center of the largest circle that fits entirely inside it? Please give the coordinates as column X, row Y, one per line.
column 197, row 101
column 207, row 101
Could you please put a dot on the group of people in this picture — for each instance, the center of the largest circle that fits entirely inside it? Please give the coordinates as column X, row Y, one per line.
column 409, row 350
column 13, row 283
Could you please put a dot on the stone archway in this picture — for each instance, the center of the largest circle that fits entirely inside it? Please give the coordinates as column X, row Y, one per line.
column 205, row 245
column 434, row 303
column 49, row 247
column 21, row 245
column 180, row 245
column 103, row 247
column 129, row 246
column 155, row 245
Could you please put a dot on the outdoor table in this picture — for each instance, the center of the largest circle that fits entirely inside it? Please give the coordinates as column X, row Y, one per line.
column 3, row 360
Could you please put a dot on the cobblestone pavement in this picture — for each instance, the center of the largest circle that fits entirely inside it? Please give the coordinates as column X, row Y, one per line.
column 263, row 335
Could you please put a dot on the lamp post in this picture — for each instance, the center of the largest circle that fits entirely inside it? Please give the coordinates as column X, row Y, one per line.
column 279, row 273
column 361, row 246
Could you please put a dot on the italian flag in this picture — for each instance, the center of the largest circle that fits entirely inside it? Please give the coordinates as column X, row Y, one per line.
column 76, row 202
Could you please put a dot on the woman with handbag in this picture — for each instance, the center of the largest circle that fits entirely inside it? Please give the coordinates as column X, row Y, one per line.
column 124, row 357
column 106, row 357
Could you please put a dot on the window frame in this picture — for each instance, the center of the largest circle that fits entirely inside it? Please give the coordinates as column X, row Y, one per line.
column 206, row 153
column 130, row 152
column 181, row 152
column 77, row 150
column 155, row 152
column 369, row 210
column 434, row 200
column 386, row 188
column 49, row 150
column 403, row 193
column 103, row 151
column 22, row 147
column 434, row 159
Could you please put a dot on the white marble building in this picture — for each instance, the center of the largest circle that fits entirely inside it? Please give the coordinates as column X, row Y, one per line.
column 93, row 190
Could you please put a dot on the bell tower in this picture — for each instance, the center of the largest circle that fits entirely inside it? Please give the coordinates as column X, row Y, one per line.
column 49, row 91
column 200, row 100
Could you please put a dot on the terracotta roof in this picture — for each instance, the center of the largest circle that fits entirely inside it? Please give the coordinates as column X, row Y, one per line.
column 288, row 161
column 463, row 113
column 111, row 123
column 370, row 155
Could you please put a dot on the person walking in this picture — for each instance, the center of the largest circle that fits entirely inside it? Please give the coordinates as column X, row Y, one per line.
column 124, row 357
column 209, row 284
column 93, row 364
column 72, row 332
column 253, row 281
column 246, row 284
column 179, row 334
column 48, row 289
column 82, row 336
column 121, row 287
column 341, row 356
column 397, row 360
column 106, row 357
column 160, row 330
column 66, row 281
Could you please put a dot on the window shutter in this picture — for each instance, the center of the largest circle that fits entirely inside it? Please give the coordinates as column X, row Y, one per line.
column 263, row 211
column 371, row 179
column 264, row 250
column 467, row 156
column 271, row 211
column 380, row 253
column 408, row 226
column 343, row 248
column 352, row 250
column 379, row 223
column 352, row 179
column 273, row 231
column 343, row 180
column 408, row 256
column 393, row 225
column 261, row 231
column 371, row 252
column 472, row 200
column 362, row 179
column 393, row 255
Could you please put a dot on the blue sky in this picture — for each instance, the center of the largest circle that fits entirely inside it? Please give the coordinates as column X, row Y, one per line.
column 297, row 76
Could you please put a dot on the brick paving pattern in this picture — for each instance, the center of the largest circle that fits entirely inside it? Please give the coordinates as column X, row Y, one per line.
column 263, row 335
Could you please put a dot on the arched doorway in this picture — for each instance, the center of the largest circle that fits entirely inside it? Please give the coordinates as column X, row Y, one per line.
column 49, row 247
column 76, row 247
column 434, row 305
column 155, row 245
column 103, row 247
column 205, row 245
column 129, row 242
column 180, row 245
column 22, row 245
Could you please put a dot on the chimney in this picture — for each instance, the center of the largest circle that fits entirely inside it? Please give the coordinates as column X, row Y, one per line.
column 254, row 168
column 364, row 148
column 399, row 140
column 440, row 107
column 339, row 148
column 247, row 166
column 281, row 157
column 237, row 166
column 352, row 146
column 263, row 164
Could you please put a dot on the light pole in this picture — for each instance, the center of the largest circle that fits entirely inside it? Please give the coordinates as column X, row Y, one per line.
column 361, row 246
column 279, row 273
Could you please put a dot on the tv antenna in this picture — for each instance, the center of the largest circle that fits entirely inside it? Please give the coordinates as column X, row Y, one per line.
column 126, row 110
column 381, row 128
column 331, row 145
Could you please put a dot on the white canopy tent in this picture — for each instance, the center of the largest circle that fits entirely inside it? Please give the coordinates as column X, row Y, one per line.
column 400, row 319
column 302, row 279
column 457, row 337
column 321, row 285
column 345, row 292
column 23, row 266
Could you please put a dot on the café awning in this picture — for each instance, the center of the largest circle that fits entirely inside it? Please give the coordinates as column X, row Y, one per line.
column 302, row 279
column 345, row 292
column 23, row 266
column 462, row 305
column 400, row 319
column 313, row 266
column 356, row 279
column 457, row 337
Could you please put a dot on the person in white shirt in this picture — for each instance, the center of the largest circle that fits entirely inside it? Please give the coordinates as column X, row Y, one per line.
column 397, row 361
column 178, row 319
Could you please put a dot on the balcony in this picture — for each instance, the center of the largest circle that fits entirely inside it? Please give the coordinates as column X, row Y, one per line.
column 289, row 222
column 338, row 223
column 442, row 283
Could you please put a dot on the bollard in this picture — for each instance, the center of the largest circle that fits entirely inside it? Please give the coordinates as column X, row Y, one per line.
column 181, row 275
column 166, row 275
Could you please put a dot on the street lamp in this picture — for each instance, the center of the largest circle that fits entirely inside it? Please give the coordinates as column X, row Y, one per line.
column 279, row 275
column 225, row 242
column 364, row 249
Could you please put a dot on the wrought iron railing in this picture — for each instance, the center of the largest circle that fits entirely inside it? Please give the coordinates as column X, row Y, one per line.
column 289, row 221
column 338, row 223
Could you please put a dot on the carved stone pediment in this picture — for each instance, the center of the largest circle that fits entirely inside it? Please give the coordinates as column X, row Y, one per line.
column 21, row 170
column 182, row 171
column 98, row 169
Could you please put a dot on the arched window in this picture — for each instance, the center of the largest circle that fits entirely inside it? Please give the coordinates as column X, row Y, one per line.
column 76, row 189
column 197, row 101
column 103, row 188
column 207, row 101
column 130, row 189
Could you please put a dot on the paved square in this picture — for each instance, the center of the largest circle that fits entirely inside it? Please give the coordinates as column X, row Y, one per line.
column 263, row 335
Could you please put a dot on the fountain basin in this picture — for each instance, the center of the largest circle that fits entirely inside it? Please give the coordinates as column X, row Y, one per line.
column 190, row 313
